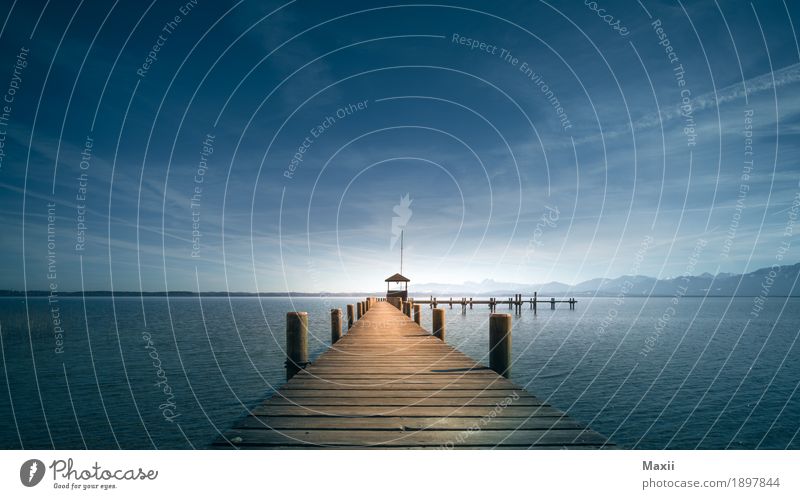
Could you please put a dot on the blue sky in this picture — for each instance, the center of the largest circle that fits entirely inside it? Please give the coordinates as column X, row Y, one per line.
column 499, row 187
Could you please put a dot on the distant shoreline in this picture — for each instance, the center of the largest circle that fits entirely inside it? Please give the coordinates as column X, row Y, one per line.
column 297, row 294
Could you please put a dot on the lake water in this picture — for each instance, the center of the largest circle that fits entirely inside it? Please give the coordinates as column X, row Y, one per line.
column 648, row 373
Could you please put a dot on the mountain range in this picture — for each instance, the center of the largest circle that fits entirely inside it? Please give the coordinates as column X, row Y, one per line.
column 782, row 282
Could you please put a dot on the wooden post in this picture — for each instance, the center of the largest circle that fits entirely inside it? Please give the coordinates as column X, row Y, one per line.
column 359, row 310
column 470, row 303
column 500, row 344
column 534, row 302
column 418, row 314
column 438, row 323
column 296, row 343
column 350, row 315
column 552, row 303
column 336, row 324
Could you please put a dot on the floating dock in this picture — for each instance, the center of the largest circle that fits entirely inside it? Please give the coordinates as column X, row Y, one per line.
column 389, row 383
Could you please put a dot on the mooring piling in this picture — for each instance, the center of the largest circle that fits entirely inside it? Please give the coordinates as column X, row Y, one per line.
column 336, row 324
column 500, row 344
column 349, row 316
column 296, row 343
column 438, row 323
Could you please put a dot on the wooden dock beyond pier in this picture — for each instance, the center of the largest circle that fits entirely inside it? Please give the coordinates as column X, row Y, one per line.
column 388, row 383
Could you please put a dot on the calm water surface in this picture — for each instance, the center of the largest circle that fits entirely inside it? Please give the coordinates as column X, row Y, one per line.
column 648, row 373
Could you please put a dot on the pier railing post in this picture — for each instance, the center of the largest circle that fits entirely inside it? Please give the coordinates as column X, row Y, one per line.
column 350, row 315
column 535, row 297
column 359, row 310
column 296, row 343
column 500, row 344
column 336, row 324
column 418, row 314
column 438, row 323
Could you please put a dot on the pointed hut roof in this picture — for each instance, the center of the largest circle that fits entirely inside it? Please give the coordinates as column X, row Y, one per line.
column 397, row 278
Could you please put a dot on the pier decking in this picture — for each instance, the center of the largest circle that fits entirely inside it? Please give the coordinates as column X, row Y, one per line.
column 388, row 383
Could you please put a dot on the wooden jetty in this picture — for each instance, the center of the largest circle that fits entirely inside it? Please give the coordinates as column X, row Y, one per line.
column 389, row 383
column 516, row 302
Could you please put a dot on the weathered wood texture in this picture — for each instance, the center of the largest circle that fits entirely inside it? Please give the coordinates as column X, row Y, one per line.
column 388, row 383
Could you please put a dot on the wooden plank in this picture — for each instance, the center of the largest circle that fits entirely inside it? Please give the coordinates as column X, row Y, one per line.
column 406, row 423
column 392, row 384
column 401, row 401
column 426, row 411
column 431, row 438
column 402, row 393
